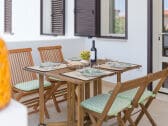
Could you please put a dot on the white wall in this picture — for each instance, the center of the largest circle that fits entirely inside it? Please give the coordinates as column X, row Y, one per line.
column 26, row 20
column 26, row 29
column 133, row 50
column 26, row 26
column 70, row 47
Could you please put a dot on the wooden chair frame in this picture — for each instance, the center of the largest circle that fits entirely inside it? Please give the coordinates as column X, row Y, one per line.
column 54, row 54
column 20, row 58
column 140, row 83
column 144, row 107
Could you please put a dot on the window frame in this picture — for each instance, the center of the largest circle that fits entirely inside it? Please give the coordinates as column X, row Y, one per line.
column 97, row 23
column 41, row 21
column 126, row 25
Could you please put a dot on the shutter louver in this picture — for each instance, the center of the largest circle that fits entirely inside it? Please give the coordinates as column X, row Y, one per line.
column 58, row 18
column 86, row 18
column 8, row 16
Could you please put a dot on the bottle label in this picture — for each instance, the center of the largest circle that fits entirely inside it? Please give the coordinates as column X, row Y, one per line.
column 92, row 56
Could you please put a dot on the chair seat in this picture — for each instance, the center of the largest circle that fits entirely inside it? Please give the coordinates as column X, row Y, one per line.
column 30, row 85
column 122, row 101
column 55, row 79
column 131, row 93
column 98, row 103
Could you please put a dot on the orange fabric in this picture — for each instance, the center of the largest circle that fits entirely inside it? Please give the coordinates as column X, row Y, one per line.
column 5, row 87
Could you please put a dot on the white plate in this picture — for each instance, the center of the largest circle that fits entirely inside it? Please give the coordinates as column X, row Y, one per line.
column 75, row 59
column 118, row 64
column 49, row 64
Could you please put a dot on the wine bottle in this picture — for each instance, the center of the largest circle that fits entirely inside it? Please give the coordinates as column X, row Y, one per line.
column 93, row 57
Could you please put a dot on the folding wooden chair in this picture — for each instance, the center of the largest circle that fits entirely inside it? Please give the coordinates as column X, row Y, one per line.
column 25, row 84
column 54, row 54
column 148, row 96
column 124, row 98
column 145, row 104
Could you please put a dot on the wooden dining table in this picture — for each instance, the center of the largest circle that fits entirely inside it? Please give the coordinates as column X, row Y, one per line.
column 102, row 64
column 76, row 87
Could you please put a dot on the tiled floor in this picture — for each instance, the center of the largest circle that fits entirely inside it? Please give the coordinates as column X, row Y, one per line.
column 158, row 110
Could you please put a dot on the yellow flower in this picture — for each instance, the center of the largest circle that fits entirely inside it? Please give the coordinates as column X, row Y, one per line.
column 85, row 55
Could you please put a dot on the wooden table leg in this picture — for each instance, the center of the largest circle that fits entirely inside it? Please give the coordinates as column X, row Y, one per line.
column 118, row 77
column 99, row 88
column 80, row 115
column 41, row 100
column 51, row 91
column 71, row 105
column 95, row 86
column 87, row 90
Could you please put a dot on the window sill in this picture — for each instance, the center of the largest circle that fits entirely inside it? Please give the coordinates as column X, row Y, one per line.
column 13, row 38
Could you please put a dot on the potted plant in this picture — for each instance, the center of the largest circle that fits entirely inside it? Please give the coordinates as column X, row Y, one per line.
column 85, row 56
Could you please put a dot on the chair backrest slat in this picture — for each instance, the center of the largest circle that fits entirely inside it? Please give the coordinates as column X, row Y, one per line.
column 144, row 80
column 20, row 58
column 51, row 54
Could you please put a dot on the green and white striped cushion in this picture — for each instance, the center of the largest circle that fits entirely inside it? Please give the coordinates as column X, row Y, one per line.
column 98, row 103
column 30, row 85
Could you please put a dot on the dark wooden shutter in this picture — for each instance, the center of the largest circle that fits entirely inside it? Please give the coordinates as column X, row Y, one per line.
column 58, row 17
column 8, row 16
column 87, row 17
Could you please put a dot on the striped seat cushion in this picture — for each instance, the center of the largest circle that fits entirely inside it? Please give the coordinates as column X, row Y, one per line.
column 98, row 103
column 30, row 85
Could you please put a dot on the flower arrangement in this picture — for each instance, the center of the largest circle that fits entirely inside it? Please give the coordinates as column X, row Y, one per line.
column 85, row 55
